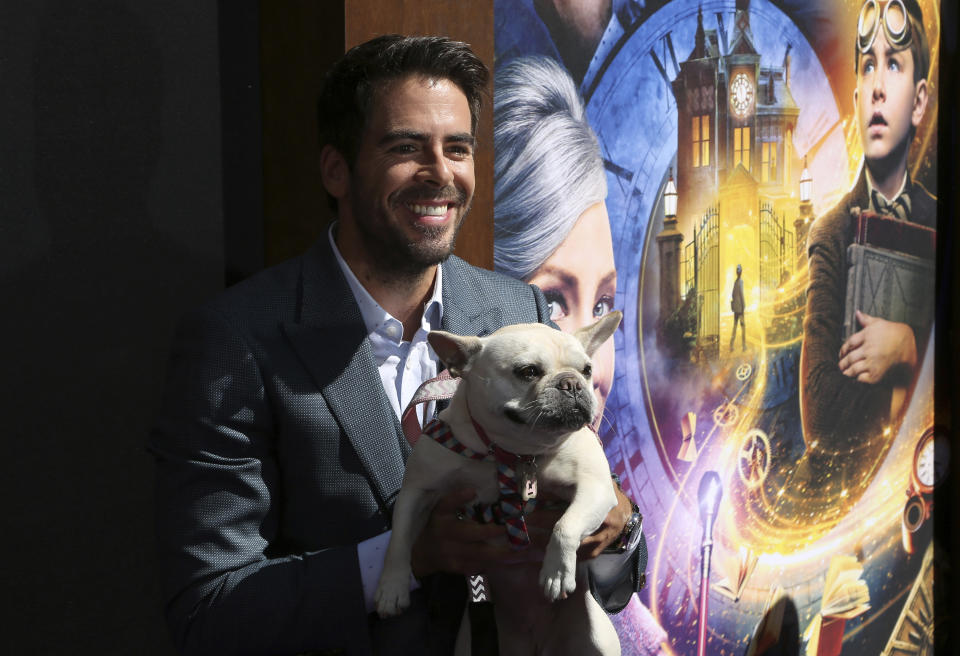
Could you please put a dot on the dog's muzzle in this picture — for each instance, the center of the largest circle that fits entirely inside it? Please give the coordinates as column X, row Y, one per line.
column 567, row 403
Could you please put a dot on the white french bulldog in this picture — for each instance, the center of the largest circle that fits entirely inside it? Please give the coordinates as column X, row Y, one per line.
column 528, row 388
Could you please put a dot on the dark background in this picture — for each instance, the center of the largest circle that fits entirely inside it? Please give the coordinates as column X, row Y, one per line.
column 150, row 154
column 112, row 224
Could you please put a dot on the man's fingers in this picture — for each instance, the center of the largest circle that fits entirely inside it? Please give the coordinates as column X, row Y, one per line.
column 866, row 377
column 847, row 367
column 469, row 531
column 452, row 501
column 864, row 318
column 851, row 359
column 477, row 557
column 853, row 342
column 856, row 369
column 593, row 545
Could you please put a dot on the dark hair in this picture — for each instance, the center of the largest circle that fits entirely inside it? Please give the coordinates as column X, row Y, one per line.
column 348, row 89
column 919, row 47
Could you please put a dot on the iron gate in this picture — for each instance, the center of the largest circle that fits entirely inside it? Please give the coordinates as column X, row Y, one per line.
column 702, row 277
column 776, row 249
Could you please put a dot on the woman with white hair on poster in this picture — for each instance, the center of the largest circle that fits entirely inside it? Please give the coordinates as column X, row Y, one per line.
column 550, row 220
column 551, row 229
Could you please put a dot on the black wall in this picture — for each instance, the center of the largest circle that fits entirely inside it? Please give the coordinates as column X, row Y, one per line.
column 112, row 223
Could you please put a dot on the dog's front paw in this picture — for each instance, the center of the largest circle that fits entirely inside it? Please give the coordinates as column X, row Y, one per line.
column 393, row 594
column 558, row 576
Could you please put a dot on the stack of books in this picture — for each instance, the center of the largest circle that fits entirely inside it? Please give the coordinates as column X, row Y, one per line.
column 891, row 273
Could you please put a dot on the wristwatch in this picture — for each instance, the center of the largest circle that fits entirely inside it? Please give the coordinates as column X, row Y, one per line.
column 630, row 536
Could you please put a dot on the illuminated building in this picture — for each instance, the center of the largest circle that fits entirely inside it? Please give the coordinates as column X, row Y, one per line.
column 736, row 179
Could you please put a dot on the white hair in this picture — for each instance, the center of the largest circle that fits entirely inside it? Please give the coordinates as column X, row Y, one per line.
column 547, row 165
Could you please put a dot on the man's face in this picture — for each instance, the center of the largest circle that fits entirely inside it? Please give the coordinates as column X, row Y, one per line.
column 413, row 179
column 887, row 102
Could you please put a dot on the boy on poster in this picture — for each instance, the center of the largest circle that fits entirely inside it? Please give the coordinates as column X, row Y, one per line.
column 853, row 389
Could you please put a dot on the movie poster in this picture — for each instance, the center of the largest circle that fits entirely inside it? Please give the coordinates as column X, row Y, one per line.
column 757, row 196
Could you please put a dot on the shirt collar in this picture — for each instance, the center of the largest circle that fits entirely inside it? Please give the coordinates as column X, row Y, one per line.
column 904, row 185
column 375, row 318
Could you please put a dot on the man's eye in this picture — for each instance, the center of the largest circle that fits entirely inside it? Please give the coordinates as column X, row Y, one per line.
column 893, row 65
column 460, row 152
column 603, row 306
column 556, row 303
column 528, row 372
column 868, row 66
column 403, row 149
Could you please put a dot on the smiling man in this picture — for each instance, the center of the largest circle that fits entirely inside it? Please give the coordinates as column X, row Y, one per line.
column 853, row 388
column 401, row 206
column 279, row 449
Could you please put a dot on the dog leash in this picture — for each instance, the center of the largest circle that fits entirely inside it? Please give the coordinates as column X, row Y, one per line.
column 484, row 639
column 440, row 388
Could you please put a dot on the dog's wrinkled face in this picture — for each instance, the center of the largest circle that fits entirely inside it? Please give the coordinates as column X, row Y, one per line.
column 529, row 380
column 544, row 377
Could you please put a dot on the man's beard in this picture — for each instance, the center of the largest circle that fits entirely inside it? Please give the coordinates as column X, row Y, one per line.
column 394, row 254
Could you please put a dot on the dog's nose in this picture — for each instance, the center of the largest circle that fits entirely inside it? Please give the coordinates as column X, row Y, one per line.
column 569, row 383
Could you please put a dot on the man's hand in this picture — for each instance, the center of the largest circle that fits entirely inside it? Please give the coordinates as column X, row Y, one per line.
column 870, row 353
column 540, row 525
column 452, row 543
column 594, row 544
column 463, row 546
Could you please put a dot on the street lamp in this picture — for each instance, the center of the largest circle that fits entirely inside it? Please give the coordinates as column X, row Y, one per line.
column 670, row 245
column 806, row 183
column 670, row 198
column 708, row 500
column 802, row 224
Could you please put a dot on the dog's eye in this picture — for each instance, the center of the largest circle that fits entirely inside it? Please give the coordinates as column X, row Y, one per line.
column 587, row 370
column 528, row 372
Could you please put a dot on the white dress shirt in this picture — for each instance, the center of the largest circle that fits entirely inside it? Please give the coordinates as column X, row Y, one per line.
column 403, row 366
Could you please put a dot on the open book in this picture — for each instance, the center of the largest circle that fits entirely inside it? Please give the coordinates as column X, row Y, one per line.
column 688, row 427
column 735, row 572
column 845, row 596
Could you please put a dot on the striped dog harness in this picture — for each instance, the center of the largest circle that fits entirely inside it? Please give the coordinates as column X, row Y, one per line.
column 511, row 508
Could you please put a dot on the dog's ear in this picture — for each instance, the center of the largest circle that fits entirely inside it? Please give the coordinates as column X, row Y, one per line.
column 594, row 335
column 455, row 351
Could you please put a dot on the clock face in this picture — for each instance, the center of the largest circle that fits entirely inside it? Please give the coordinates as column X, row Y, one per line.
column 930, row 460
column 741, row 95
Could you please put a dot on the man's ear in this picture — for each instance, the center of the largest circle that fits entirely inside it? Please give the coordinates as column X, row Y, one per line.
column 455, row 351
column 594, row 335
column 334, row 172
column 919, row 103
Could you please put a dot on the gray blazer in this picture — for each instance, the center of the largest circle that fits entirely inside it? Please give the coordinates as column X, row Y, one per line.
column 277, row 452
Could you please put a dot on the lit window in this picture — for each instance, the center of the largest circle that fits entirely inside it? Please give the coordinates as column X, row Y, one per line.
column 701, row 141
column 768, row 162
column 787, row 156
column 741, row 147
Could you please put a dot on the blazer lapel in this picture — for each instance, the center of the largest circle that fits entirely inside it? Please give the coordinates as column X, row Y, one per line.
column 465, row 310
column 330, row 338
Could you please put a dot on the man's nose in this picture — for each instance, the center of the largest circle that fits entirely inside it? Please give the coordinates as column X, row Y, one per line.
column 436, row 169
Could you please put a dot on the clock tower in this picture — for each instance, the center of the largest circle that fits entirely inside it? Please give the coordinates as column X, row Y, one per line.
column 697, row 92
column 741, row 68
column 732, row 112
column 736, row 174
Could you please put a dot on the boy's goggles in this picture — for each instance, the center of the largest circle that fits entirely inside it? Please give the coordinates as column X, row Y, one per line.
column 892, row 17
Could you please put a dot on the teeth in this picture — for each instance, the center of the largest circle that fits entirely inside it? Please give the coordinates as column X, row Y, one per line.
column 428, row 210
